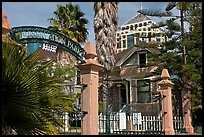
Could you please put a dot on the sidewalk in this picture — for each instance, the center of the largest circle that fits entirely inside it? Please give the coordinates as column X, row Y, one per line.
column 188, row 134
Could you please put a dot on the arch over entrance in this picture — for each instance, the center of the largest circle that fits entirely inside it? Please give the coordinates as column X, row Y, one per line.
column 35, row 34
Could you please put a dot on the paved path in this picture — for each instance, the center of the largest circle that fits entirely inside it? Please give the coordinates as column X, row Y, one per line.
column 188, row 134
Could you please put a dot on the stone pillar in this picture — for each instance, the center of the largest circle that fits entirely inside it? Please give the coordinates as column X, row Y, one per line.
column 186, row 105
column 89, row 76
column 6, row 27
column 167, row 117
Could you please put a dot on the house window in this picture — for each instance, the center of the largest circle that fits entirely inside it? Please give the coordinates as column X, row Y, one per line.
column 140, row 25
column 78, row 77
column 142, row 59
column 143, row 91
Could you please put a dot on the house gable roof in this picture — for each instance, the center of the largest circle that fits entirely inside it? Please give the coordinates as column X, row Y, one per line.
column 124, row 55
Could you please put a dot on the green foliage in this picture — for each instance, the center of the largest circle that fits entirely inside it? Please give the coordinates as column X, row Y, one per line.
column 30, row 97
column 172, row 53
column 69, row 20
column 100, row 106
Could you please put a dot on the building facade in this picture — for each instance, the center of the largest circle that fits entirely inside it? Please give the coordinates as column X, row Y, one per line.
column 139, row 30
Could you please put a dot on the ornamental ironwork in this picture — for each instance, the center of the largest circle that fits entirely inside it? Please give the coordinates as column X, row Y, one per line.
column 35, row 34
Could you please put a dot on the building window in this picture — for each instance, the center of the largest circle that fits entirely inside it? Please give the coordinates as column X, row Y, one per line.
column 143, row 91
column 136, row 26
column 144, row 29
column 143, row 34
column 137, row 37
column 127, row 27
column 123, row 28
column 124, row 36
column 142, row 59
column 131, row 27
column 140, row 25
column 144, row 39
column 118, row 45
column 145, row 24
column 158, row 39
column 124, row 43
column 149, row 39
column 149, row 29
column 158, row 34
column 130, row 40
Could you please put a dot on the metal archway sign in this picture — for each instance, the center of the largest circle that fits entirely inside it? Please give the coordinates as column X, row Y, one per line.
column 35, row 34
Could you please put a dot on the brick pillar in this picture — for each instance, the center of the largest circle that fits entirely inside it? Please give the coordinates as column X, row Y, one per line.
column 6, row 27
column 186, row 105
column 167, row 117
column 89, row 76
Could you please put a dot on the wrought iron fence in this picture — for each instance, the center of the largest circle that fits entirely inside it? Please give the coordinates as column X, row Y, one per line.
column 72, row 123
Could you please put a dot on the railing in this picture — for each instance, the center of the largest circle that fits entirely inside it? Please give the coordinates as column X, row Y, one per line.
column 72, row 123
column 148, row 124
column 178, row 124
column 153, row 123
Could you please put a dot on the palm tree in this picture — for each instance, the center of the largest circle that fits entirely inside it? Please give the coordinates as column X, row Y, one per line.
column 69, row 21
column 30, row 97
column 105, row 27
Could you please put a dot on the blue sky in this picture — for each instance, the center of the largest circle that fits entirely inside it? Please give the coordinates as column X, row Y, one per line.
column 37, row 13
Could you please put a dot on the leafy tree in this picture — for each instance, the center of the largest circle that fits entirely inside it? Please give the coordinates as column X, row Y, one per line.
column 182, row 55
column 105, row 27
column 30, row 97
column 69, row 20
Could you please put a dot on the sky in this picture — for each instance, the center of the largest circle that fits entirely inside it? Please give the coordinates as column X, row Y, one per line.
column 37, row 13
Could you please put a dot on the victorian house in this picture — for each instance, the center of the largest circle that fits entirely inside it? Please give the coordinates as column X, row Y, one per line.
column 129, row 89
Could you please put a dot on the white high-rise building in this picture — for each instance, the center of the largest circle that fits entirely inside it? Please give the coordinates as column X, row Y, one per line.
column 137, row 31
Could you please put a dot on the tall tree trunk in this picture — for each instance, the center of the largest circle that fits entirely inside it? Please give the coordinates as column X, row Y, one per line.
column 105, row 28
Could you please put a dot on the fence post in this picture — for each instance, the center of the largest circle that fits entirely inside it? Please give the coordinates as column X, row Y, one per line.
column 89, row 77
column 167, row 117
column 186, row 105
